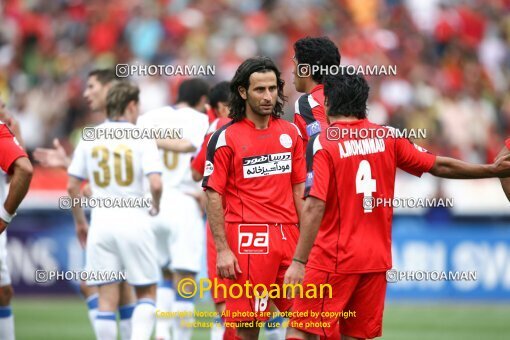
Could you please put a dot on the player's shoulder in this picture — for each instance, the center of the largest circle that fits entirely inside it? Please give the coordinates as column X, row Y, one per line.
column 219, row 137
column 217, row 123
column 288, row 128
column 305, row 104
column 507, row 143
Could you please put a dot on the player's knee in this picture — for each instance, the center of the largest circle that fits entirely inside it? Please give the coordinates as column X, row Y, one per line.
column 87, row 291
column 6, row 293
column 146, row 292
column 167, row 274
column 23, row 166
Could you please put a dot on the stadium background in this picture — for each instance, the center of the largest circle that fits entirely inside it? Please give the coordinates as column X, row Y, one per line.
column 453, row 77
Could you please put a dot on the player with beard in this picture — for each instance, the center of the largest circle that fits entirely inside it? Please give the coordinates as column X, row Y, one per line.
column 254, row 167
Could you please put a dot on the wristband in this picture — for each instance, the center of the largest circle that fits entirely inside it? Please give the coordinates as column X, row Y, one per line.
column 300, row 261
column 4, row 215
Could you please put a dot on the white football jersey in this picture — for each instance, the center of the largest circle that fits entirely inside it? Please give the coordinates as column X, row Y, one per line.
column 176, row 165
column 115, row 167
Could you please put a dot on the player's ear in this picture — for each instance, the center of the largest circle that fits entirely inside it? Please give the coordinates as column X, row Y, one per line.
column 242, row 92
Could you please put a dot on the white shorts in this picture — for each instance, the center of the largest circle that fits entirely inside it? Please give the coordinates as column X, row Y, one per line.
column 5, row 278
column 180, row 232
column 122, row 240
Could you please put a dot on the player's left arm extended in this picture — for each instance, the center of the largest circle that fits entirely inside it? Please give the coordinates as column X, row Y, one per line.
column 80, row 221
column 297, row 191
column 447, row 167
column 505, row 182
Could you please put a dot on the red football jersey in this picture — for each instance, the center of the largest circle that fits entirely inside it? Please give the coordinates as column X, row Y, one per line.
column 507, row 143
column 198, row 162
column 350, row 175
column 10, row 148
column 310, row 114
column 254, row 170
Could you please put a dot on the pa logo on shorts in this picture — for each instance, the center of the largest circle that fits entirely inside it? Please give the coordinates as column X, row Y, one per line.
column 253, row 239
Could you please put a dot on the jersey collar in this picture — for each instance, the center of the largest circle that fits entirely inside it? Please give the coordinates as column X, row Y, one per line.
column 251, row 124
column 319, row 87
column 354, row 122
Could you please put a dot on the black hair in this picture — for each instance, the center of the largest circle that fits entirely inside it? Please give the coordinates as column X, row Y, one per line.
column 191, row 90
column 241, row 78
column 346, row 95
column 119, row 96
column 219, row 93
column 104, row 76
column 316, row 51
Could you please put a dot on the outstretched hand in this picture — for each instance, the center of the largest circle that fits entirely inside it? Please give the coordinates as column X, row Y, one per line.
column 502, row 166
column 52, row 158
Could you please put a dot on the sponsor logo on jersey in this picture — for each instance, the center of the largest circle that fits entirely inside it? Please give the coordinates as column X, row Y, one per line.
column 285, row 140
column 265, row 165
column 253, row 239
column 313, row 128
column 209, row 168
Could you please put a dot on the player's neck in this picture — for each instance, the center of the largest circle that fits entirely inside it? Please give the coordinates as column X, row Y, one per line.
column 310, row 85
column 340, row 118
column 181, row 105
column 260, row 122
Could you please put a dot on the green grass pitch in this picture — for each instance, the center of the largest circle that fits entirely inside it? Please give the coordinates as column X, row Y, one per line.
column 66, row 318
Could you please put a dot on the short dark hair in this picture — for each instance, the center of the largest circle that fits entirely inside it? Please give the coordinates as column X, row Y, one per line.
column 346, row 95
column 237, row 104
column 119, row 96
column 104, row 76
column 316, row 51
column 191, row 90
column 219, row 93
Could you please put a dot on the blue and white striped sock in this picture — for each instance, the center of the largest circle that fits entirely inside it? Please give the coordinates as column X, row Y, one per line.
column 125, row 314
column 6, row 323
column 106, row 326
column 92, row 304
column 143, row 320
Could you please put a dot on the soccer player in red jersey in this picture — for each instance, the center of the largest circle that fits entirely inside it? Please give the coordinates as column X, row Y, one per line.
column 505, row 182
column 345, row 239
column 255, row 165
column 13, row 162
column 310, row 116
column 218, row 101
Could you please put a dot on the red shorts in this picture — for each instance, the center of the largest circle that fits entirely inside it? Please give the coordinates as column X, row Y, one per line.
column 211, row 266
column 264, row 252
column 11, row 150
column 355, row 308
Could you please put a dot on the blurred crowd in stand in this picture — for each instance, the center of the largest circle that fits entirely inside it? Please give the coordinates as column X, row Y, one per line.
column 452, row 57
